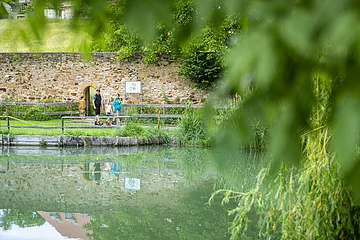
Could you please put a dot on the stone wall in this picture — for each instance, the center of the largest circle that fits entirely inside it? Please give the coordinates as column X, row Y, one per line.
column 26, row 140
column 62, row 77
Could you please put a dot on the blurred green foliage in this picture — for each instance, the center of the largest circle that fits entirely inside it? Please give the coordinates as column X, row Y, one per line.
column 9, row 1
column 284, row 52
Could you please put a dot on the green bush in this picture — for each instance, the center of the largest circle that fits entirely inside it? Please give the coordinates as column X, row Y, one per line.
column 202, row 67
column 131, row 129
column 35, row 113
column 192, row 129
column 158, row 133
column 249, row 131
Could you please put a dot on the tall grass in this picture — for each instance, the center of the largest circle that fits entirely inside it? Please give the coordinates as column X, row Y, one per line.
column 205, row 127
column 192, row 129
column 307, row 201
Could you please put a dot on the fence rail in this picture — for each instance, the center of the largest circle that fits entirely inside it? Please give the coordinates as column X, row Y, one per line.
column 84, row 120
column 125, row 107
column 73, row 104
column 151, row 105
column 63, row 126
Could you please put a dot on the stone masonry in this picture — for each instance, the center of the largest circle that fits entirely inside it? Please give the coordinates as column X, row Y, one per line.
column 62, row 77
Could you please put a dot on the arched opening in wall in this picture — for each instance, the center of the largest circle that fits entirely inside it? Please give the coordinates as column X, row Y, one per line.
column 86, row 106
column 89, row 93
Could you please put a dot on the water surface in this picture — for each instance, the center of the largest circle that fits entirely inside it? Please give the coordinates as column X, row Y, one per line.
column 118, row 193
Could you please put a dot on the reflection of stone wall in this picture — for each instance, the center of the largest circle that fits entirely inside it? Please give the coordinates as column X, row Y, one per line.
column 62, row 187
column 72, row 228
column 60, row 76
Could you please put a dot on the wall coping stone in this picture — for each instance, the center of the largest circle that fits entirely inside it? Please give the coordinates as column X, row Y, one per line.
column 115, row 141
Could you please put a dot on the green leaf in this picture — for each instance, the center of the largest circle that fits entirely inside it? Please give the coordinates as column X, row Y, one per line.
column 207, row 9
column 3, row 12
column 285, row 142
column 247, row 61
column 341, row 35
column 296, row 30
column 347, row 126
column 144, row 15
column 267, row 61
column 241, row 63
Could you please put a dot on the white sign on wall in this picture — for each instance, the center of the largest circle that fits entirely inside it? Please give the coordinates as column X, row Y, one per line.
column 133, row 87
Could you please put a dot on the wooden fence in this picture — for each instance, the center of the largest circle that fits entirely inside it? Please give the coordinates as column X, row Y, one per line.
column 159, row 114
column 85, row 122
column 76, row 112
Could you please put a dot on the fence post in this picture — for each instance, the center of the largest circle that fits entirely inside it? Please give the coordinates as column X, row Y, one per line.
column 62, row 125
column 8, row 123
column 159, row 119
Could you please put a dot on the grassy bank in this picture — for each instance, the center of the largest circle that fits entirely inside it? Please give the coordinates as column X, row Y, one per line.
column 57, row 36
column 127, row 129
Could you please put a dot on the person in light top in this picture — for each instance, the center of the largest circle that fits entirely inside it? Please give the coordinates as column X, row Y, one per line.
column 108, row 111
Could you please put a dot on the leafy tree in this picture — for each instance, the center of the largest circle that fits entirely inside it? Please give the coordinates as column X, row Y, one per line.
column 290, row 54
column 201, row 54
column 284, row 48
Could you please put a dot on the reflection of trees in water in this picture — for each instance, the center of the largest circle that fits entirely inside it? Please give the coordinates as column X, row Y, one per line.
column 239, row 169
column 189, row 218
column 23, row 219
column 194, row 161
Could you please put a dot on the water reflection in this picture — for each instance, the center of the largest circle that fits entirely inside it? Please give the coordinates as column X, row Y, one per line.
column 11, row 217
column 69, row 225
column 28, row 225
column 132, row 193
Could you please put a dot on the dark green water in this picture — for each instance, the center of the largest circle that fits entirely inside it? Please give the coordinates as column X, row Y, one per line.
column 118, row 193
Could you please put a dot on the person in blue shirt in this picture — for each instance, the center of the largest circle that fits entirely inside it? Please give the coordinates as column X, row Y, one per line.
column 117, row 106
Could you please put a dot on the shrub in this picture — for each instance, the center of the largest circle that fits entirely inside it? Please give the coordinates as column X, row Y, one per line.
column 192, row 129
column 131, row 129
column 202, row 67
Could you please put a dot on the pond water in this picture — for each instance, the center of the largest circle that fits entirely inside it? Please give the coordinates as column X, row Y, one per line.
column 119, row 193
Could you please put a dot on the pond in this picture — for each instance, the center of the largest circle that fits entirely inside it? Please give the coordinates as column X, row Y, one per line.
column 119, row 193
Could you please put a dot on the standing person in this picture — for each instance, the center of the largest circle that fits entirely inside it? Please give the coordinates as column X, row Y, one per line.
column 117, row 106
column 97, row 101
column 108, row 111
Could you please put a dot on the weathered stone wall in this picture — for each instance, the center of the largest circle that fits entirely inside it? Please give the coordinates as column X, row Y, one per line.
column 33, row 77
column 26, row 140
